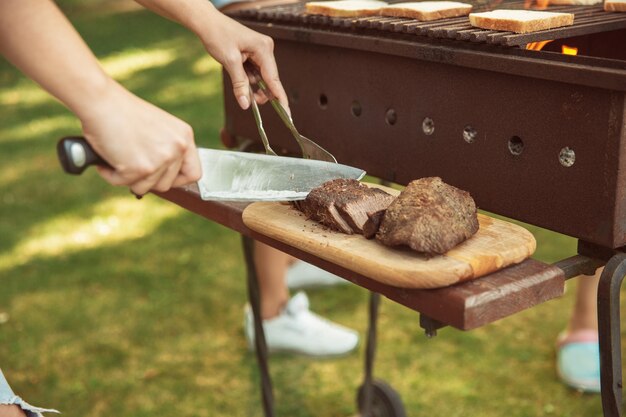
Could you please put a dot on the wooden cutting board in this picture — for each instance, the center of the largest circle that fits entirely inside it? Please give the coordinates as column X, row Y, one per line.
column 496, row 245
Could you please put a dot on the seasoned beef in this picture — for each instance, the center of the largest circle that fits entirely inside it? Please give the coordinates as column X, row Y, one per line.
column 371, row 226
column 429, row 216
column 355, row 207
column 343, row 204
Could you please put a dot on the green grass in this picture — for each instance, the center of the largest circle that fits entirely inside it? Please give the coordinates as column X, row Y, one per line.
column 117, row 307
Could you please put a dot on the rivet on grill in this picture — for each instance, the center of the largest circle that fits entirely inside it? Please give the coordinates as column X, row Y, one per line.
column 356, row 109
column 391, row 117
column 428, row 126
column 516, row 145
column 567, row 157
column 323, row 101
column 469, row 134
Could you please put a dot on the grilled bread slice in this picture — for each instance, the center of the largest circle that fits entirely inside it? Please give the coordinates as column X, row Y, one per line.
column 427, row 10
column 574, row 2
column 345, row 8
column 615, row 5
column 520, row 21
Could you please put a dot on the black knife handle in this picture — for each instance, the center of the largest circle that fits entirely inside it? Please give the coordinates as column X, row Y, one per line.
column 75, row 154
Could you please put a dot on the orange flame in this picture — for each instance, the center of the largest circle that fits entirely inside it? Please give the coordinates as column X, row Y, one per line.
column 541, row 4
column 569, row 50
column 537, row 46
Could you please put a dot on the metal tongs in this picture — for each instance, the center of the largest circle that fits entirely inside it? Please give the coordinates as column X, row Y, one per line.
column 310, row 149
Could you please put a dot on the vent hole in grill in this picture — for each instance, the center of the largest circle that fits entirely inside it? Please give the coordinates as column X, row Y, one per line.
column 567, row 157
column 516, row 145
column 356, row 109
column 428, row 126
column 391, row 117
column 469, row 134
column 323, row 101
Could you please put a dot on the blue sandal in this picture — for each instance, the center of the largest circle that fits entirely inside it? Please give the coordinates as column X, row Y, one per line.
column 578, row 360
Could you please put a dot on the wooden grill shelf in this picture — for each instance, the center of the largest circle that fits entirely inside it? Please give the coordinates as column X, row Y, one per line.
column 464, row 306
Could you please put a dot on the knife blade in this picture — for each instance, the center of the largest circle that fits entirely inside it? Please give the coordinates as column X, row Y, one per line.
column 232, row 175
column 240, row 176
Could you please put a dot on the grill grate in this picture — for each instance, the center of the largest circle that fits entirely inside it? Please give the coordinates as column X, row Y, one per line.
column 588, row 20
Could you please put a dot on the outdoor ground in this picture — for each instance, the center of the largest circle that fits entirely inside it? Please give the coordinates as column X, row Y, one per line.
column 111, row 306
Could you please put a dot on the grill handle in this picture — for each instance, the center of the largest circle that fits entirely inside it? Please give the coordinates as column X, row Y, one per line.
column 76, row 154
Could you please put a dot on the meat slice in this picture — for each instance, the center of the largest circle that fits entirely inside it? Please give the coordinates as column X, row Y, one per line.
column 354, row 207
column 371, row 226
column 343, row 204
column 429, row 216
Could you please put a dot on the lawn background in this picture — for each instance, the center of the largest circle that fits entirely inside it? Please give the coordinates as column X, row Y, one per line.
column 115, row 307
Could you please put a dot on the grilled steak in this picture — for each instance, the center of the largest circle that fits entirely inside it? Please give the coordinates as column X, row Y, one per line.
column 343, row 204
column 371, row 226
column 429, row 216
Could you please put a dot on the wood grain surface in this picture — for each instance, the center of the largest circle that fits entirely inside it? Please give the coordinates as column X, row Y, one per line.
column 496, row 245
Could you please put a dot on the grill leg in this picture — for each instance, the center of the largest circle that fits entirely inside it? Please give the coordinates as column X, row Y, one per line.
column 609, row 335
column 370, row 350
column 259, row 335
column 370, row 355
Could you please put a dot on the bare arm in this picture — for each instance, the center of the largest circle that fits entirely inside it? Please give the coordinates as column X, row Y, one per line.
column 147, row 147
column 11, row 411
column 229, row 42
column 36, row 38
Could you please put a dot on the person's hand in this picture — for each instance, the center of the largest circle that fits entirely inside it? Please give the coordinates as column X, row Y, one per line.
column 11, row 411
column 229, row 42
column 148, row 148
column 232, row 44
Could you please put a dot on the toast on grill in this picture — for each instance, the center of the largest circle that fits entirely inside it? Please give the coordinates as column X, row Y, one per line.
column 520, row 21
column 345, row 8
column 427, row 10
column 615, row 5
column 574, row 2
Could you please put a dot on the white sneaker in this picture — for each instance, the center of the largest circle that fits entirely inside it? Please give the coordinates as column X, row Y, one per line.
column 305, row 275
column 298, row 330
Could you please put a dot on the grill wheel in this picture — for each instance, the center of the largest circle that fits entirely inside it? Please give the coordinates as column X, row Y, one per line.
column 386, row 401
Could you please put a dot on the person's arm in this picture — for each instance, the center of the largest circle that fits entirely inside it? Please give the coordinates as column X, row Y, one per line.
column 147, row 147
column 13, row 406
column 7, row 410
column 229, row 42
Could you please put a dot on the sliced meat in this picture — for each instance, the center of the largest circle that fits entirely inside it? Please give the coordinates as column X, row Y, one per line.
column 429, row 216
column 331, row 218
column 319, row 205
column 355, row 206
column 343, row 204
column 371, row 226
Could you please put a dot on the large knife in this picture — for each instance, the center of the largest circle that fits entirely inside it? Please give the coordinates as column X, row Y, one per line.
column 230, row 175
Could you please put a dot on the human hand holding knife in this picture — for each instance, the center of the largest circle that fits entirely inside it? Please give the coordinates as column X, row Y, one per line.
column 232, row 176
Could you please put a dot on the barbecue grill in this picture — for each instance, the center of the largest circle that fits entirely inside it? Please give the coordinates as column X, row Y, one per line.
column 537, row 136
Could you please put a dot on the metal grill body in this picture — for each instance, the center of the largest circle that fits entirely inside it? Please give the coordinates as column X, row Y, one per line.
column 502, row 123
column 536, row 136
